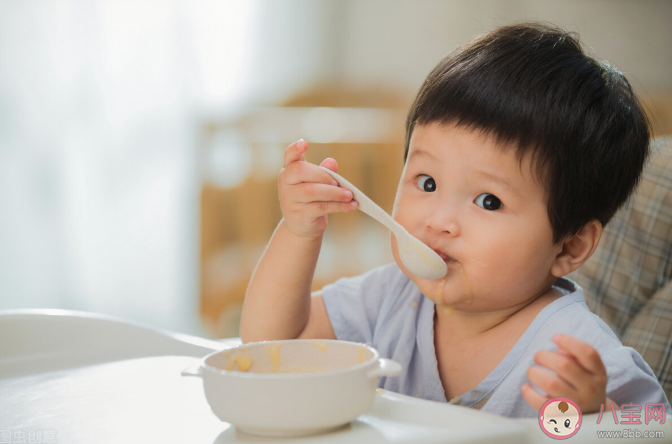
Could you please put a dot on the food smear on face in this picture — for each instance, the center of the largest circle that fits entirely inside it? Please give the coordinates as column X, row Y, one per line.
column 467, row 287
column 468, row 291
column 362, row 352
column 438, row 291
column 438, row 298
column 244, row 362
column 273, row 353
column 454, row 265
column 321, row 345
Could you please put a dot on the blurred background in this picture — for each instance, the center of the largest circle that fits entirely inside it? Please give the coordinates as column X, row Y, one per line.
column 140, row 140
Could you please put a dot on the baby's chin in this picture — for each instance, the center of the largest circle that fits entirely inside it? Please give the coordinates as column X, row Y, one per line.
column 452, row 292
column 430, row 287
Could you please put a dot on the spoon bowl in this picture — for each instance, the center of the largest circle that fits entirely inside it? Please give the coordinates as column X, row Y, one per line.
column 417, row 257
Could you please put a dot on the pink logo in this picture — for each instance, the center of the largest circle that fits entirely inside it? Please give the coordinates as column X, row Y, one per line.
column 656, row 412
column 560, row 418
column 632, row 413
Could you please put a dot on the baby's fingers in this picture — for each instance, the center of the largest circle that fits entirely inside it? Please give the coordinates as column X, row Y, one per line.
column 305, row 172
column 584, row 353
column 564, row 366
column 317, row 192
column 294, row 152
column 331, row 164
column 533, row 397
column 551, row 384
column 317, row 209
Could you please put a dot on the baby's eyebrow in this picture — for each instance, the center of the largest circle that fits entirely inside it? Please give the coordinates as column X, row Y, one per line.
column 500, row 180
column 419, row 152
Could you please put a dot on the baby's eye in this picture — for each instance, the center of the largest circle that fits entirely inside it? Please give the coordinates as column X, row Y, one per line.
column 567, row 423
column 553, row 421
column 426, row 183
column 488, row 201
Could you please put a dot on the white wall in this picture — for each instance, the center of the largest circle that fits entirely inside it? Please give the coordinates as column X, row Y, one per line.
column 397, row 43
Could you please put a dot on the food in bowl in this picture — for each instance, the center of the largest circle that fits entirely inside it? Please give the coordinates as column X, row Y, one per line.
column 292, row 387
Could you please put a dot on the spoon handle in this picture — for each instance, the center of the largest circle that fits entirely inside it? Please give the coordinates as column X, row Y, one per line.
column 366, row 204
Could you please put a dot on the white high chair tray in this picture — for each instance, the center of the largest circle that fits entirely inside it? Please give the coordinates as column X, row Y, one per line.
column 72, row 377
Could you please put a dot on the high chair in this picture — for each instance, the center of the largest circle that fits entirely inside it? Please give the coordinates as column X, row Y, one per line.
column 627, row 281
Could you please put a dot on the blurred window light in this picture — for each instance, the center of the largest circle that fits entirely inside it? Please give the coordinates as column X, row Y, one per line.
column 268, row 160
column 222, row 36
column 324, row 125
column 285, row 125
column 228, row 159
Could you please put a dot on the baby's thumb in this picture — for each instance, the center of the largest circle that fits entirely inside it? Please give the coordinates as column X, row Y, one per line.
column 330, row 164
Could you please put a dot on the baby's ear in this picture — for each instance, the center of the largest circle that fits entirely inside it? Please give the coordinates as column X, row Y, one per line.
column 577, row 249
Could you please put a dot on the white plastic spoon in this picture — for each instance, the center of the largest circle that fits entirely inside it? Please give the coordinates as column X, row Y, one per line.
column 420, row 260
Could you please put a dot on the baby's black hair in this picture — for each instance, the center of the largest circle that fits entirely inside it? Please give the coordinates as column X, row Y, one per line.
column 532, row 85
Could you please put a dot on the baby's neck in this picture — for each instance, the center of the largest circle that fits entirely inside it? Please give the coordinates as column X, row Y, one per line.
column 462, row 325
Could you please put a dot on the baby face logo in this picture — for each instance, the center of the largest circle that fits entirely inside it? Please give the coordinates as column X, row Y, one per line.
column 560, row 418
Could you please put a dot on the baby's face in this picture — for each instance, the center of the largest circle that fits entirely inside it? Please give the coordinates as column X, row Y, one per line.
column 474, row 203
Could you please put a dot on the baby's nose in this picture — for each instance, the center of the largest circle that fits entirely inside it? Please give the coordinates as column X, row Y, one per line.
column 443, row 220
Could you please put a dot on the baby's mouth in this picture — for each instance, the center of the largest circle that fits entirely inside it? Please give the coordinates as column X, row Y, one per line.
column 450, row 262
column 443, row 255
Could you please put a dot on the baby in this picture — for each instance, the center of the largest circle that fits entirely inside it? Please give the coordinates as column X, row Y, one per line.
column 519, row 149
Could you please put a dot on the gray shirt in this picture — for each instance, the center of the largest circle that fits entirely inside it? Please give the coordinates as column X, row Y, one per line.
column 385, row 309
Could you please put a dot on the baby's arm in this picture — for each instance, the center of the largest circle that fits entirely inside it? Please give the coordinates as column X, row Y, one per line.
column 278, row 303
column 580, row 376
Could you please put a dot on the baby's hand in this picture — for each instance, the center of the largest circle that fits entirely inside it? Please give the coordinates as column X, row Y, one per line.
column 308, row 194
column 580, row 375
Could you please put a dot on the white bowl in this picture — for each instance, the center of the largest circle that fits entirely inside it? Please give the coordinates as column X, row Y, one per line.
column 292, row 387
